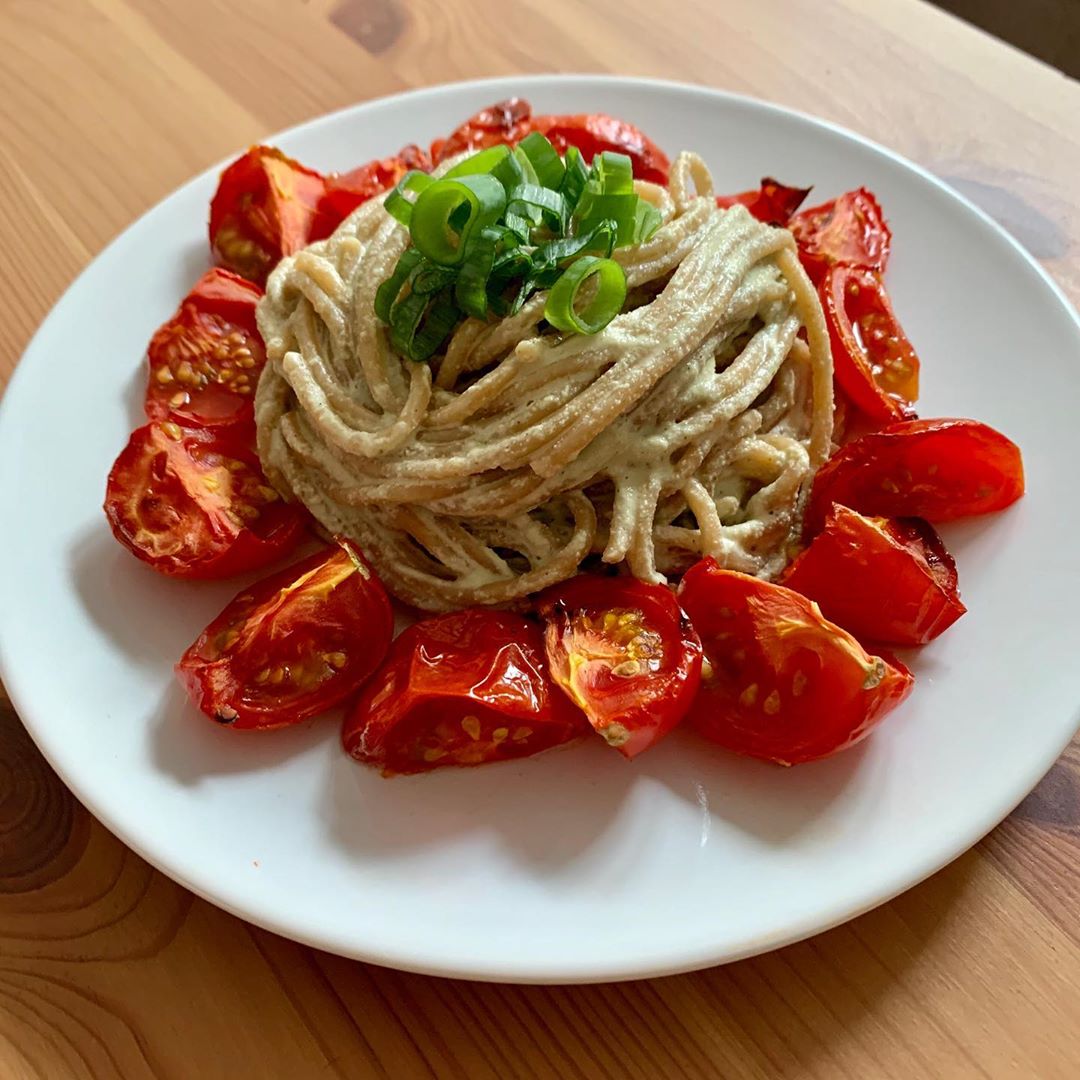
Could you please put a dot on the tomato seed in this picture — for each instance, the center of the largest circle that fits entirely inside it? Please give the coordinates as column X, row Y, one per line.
column 749, row 695
column 471, row 726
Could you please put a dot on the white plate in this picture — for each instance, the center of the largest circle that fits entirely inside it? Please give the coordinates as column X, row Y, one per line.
column 574, row 866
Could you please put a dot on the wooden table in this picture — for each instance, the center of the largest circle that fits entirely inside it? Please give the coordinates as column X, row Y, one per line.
column 108, row 969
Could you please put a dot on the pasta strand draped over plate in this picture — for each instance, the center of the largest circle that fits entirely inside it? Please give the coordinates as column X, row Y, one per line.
column 689, row 426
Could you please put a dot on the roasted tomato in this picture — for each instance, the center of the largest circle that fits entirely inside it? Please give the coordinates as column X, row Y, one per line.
column 593, row 133
column 346, row 191
column 292, row 645
column 773, row 202
column 266, row 207
column 780, row 681
column 205, row 361
column 849, row 230
column 934, row 469
column 884, row 579
column 504, row 122
column 625, row 653
column 461, row 689
column 873, row 360
column 194, row 504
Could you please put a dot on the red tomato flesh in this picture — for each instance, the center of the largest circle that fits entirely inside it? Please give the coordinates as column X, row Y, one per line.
column 206, row 360
column 504, row 122
column 850, row 230
column 625, row 654
column 292, row 645
column 346, row 191
column 194, row 504
column 781, row 682
column 465, row 688
column 883, row 579
column 266, row 206
column 935, row 469
column 773, row 202
column 874, row 363
column 593, row 133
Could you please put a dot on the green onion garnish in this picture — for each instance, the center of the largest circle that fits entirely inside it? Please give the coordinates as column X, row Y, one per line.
column 561, row 308
column 545, row 161
column 503, row 224
column 396, row 202
column 448, row 211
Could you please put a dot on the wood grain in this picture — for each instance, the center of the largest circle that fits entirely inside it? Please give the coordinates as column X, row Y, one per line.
column 108, row 969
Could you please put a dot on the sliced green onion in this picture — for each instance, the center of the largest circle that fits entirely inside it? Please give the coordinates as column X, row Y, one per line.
column 614, row 172
column 550, row 259
column 419, row 324
column 527, row 198
column 470, row 289
column 527, row 171
column 545, row 160
column 606, row 303
column 397, row 202
column 519, row 226
column 388, row 291
column 575, row 176
column 430, row 279
column 448, row 211
column 509, row 172
column 480, row 163
column 647, row 219
column 594, row 208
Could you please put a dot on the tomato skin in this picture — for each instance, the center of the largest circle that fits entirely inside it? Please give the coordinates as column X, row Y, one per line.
column 881, row 374
column 346, row 191
column 773, row 202
column 883, row 579
column 850, row 230
column 193, row 503
column 506, row 121
column 464, row 688
column 511, row 120
column 939, row 470
column 648, row 630
column 266, row 206
column 593, row 133
column 781, row 682
column 292, row 645
column 204, row 363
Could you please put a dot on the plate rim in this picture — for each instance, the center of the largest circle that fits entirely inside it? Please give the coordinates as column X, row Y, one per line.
column 486, row 970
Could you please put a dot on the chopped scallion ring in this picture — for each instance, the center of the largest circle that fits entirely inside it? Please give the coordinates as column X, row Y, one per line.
column 561, row 308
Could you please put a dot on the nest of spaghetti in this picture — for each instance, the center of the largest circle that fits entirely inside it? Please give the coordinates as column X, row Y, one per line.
column 689, row 426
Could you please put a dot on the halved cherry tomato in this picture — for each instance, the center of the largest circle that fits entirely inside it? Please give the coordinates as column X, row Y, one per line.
column 461, row 689
column 346, row 191
column 883, row 579
column 625, row 654
column 780, row 681
column 193, row 503
column 205, row 361
column 592, row 133
column 292, row 645
column 773, row 202
column 934, row 469
column 850, row 230
column 504, row 122
column 266, row 206
column 873, row 360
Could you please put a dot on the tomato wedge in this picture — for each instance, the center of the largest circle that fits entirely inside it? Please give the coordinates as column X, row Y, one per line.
column 292, row 645
column 883, row 579
column 592, row 133
column 625, row 654
column 773, row 202
column 266, row 206
column 504, row 122
column 461, row 689
column 346, row 191
column 873, row 360
column 205, row 361
column 781, row 682
column 850, row 230
column 934, row 469
column 193, row 503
